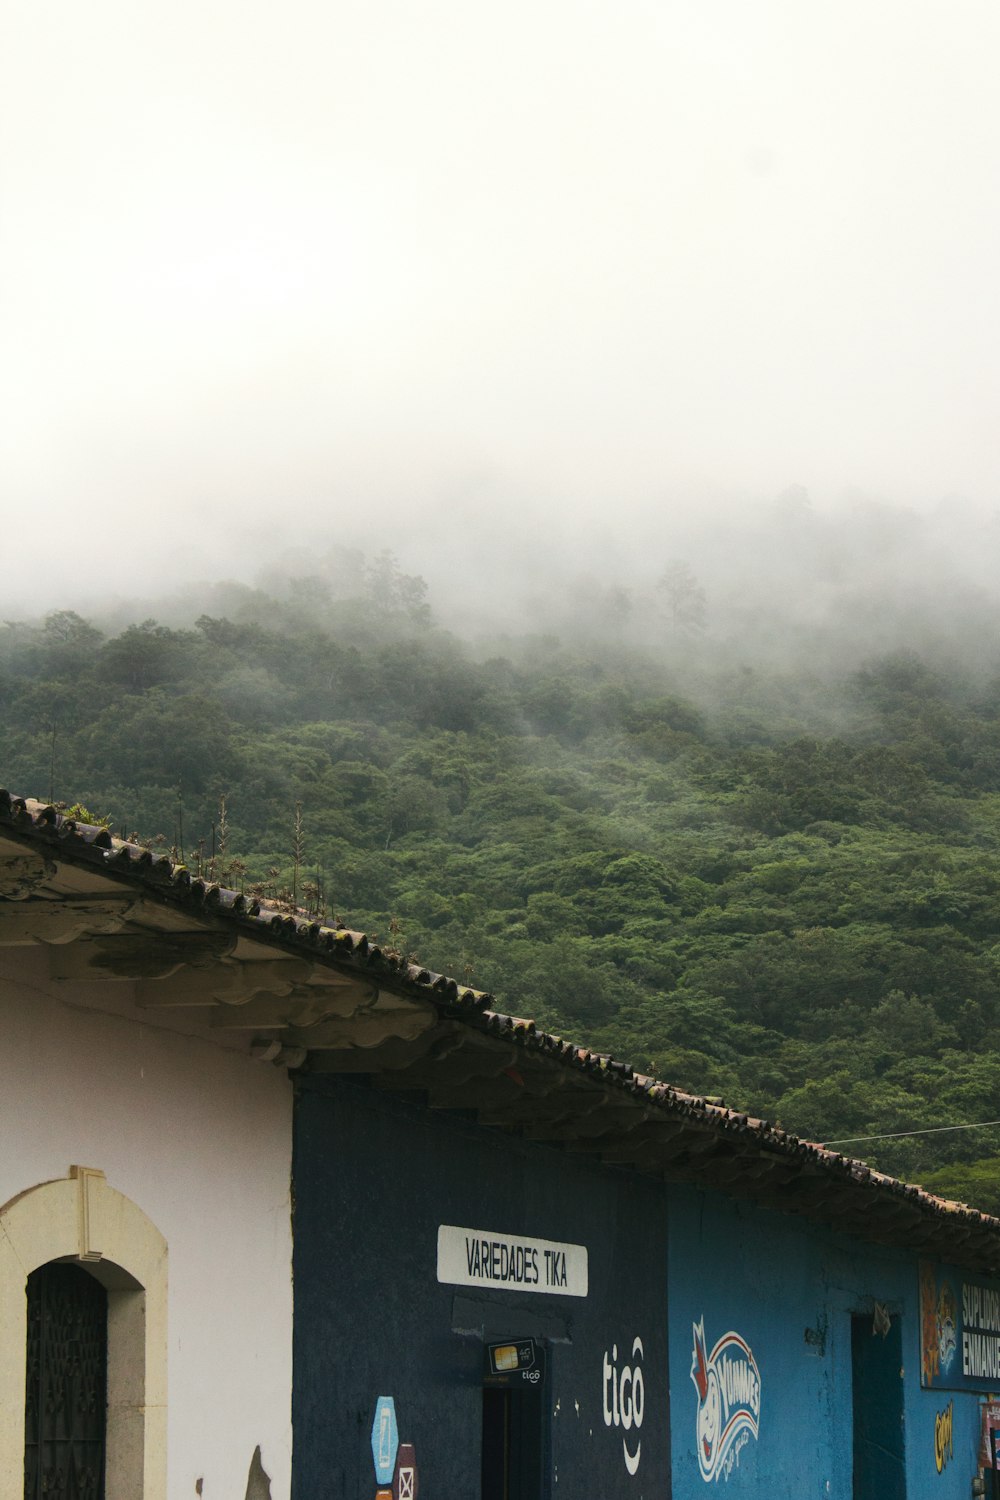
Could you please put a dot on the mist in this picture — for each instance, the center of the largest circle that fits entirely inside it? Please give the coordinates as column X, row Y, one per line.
column 541, row 299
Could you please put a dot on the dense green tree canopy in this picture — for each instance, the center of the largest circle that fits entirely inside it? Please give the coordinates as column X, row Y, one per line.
column 757, row 882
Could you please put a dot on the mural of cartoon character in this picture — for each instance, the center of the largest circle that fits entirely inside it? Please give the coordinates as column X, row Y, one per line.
column 930, row 1356
column 709, row 1424
column 938, row 1324
column 947, row 1326
column 727, row 1380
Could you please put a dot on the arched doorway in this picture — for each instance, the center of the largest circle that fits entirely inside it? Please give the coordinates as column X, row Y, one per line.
column 85, row 1225
column 66, row 1385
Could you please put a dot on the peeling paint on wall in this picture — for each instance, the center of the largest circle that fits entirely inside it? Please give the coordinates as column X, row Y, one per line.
column 815, row 1337
column 258, row 1482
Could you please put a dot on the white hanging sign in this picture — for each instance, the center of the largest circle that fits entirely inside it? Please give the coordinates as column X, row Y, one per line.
column 488, row 1258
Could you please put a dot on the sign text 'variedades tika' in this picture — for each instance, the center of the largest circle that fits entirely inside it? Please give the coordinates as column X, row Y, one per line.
column 490, row 1258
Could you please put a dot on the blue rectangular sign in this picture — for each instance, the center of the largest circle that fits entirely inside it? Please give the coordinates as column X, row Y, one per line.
column 959, row 1330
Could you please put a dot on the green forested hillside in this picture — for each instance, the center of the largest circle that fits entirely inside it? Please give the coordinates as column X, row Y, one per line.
column 755, row 882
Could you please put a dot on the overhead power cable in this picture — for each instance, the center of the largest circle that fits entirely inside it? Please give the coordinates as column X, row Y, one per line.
column 898, row 1135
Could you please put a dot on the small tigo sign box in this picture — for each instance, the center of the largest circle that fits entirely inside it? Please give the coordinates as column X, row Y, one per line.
column 519, row 1362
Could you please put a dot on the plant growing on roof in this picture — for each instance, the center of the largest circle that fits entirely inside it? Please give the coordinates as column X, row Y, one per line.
column 80, row 814
column 298, row 850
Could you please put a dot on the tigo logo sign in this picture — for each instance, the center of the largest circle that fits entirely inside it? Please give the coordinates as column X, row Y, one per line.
column 624, row 1400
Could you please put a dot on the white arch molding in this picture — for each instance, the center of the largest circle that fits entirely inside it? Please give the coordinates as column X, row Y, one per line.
column 81, row 1219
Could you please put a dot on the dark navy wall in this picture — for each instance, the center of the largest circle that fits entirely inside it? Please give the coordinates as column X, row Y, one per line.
column 374, row 1179
column 789, row 1291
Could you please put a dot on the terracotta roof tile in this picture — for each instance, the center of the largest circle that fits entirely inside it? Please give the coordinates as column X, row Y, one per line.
column 82, row 844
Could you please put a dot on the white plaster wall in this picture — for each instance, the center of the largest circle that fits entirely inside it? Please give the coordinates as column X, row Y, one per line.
column 198, row 1135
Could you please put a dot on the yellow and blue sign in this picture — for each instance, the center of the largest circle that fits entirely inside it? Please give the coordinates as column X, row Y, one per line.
column 959, row 1330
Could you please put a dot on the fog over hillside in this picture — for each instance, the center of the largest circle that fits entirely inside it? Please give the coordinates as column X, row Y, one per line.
column 522, row 480
column 528, row 294
column 783, row 585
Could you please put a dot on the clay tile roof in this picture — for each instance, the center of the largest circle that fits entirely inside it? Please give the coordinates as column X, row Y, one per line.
column 711, row 1143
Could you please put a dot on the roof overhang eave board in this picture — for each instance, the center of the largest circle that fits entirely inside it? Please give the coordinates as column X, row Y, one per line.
column 304, row 995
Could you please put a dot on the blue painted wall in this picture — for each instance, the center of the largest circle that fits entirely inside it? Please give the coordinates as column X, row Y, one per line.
column 374, row 1178
column 789, row 1290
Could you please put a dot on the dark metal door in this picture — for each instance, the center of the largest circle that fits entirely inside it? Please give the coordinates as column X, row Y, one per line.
column 877, row 1368
column 512, row 1448
column 66, row 1387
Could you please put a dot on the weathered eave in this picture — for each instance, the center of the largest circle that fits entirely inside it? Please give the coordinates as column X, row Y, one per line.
column 307, row 996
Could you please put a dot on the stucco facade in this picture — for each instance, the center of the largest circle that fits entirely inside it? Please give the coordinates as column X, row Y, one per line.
column 810, row 1339
column 197, row 1137
column 383, row 1191
column 795, row 1294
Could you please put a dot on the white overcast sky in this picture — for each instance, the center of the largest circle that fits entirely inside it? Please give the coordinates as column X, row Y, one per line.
column 391, row 269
